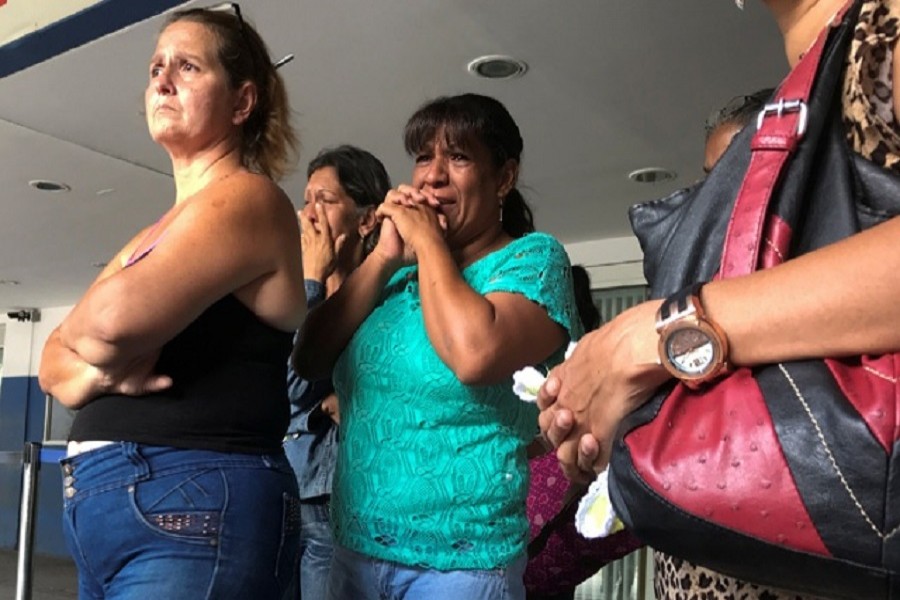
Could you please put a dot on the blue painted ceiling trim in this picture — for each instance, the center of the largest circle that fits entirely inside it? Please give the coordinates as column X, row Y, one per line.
column 76, row 30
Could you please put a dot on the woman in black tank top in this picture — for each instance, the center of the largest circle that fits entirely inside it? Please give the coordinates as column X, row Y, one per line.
column 175, row 356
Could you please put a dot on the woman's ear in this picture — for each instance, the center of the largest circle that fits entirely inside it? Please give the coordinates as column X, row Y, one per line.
column 509, row 175
column 245, row 102
column 367, row 223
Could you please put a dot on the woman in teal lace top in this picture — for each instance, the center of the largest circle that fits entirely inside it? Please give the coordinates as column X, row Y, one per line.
column 429, row 491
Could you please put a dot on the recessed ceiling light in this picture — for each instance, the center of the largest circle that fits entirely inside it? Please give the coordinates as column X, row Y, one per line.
column 98, row 265
column 9, row 282
column 46, row 185
column 496, row 66
column 652, row 175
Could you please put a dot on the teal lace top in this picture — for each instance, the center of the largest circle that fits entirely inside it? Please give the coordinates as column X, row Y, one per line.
column 432, row 472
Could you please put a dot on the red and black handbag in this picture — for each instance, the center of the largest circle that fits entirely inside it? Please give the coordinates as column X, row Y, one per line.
column 785, row 474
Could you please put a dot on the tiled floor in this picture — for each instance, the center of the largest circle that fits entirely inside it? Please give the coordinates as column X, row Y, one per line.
column 52, row 578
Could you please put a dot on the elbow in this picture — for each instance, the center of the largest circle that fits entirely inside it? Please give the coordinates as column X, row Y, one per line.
column 70, row 403
column 469, row 377
column 473, row 369
column 99, row 340
column 51, row 386
column 108, row 327
column 45, row 381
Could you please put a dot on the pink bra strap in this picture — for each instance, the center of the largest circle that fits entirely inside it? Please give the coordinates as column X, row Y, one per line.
column 135, row 256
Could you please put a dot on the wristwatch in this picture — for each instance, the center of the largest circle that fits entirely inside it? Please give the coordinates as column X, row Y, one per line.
column 692, row 347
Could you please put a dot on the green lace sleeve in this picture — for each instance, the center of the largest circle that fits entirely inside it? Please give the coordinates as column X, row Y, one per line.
column 538, row 267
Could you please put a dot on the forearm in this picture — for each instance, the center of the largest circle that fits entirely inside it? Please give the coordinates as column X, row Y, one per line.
column 84, row 339
column 86, row 329
column 106, row 329
column 483, row 339
column 329, row 327
column 459, row 321
column 64, row 375
column 840, row 300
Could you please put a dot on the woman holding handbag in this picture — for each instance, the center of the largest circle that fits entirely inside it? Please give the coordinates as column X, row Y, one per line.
column 559, row 559
column 834, row 299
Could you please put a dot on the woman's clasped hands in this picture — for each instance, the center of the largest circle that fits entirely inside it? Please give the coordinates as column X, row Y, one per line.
column 410, row 220
column 611, row 372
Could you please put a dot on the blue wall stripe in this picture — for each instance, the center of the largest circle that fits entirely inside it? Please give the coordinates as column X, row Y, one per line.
column 76, row 30
column 10, row 497
column 13, row 416
column 48, row 519
column 48, row 532
column 14, row 398
column 22, row 407
column 37, row 408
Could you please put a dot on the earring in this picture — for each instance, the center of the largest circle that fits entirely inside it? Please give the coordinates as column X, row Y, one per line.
column 739, row 4
column 501, row 212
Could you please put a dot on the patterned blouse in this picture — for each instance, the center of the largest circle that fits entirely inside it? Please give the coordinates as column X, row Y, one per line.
column 432, row 472
column 873, row 132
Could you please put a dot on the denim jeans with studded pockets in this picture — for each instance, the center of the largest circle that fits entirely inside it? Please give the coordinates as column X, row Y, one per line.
column 156, row 522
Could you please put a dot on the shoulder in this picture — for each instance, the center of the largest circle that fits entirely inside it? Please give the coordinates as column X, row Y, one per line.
column 528, row 256
column 537, row 246
column 536, row 260
column 243, row 197
column 246, row 189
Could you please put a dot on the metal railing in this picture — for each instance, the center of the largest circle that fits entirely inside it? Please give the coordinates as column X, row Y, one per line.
column 30, row 460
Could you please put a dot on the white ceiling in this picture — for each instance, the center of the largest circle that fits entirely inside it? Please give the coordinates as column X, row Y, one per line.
column 613, row 86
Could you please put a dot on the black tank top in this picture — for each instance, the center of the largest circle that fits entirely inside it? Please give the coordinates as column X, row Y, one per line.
column 229, row 389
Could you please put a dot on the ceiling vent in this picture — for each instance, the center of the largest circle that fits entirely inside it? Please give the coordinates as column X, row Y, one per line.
column 46, row 185
column 496, row 66
column 652, row 175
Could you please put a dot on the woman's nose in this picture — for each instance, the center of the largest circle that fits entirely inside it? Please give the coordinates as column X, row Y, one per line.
column 436, row 175
column 162, row 82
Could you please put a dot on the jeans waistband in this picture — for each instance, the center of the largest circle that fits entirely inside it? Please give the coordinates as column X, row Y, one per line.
column 124, row 463
column 76, row 448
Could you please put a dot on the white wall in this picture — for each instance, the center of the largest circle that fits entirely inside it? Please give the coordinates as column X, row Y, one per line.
column 24, row 341
column 612, row 262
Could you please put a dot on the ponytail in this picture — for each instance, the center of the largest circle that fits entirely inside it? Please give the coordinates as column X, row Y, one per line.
column 517, row 217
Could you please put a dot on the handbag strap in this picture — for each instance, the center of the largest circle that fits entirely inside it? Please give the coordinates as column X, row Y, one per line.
column 780, row 127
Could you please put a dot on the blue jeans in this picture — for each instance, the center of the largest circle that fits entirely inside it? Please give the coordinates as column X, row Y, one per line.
column 316, row 548
column 359, row 577
column 155, row 522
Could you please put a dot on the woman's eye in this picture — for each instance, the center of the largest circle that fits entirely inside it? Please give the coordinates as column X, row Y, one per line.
column 155, row 70
column 423, row 158
column 189, row 67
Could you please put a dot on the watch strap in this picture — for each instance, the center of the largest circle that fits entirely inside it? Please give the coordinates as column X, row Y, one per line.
column 683, row 304
column 679, row 304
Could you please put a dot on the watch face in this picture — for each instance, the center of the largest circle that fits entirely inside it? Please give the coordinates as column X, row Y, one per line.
column 690, row 350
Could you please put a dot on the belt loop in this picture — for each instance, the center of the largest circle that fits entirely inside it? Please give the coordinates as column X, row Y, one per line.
column 132, row 451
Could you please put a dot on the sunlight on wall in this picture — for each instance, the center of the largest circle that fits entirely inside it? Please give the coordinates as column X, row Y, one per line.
column 18, row 18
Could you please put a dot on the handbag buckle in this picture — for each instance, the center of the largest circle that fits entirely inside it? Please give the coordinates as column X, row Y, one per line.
column 781, row 107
